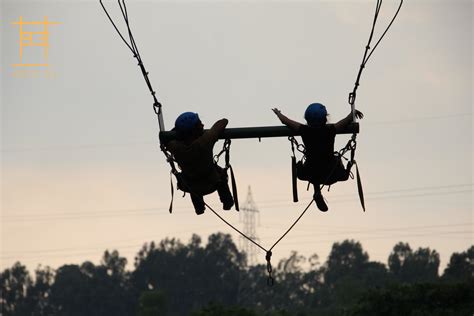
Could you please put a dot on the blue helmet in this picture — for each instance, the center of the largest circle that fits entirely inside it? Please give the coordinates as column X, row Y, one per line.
column 315, row 114
column 186, row 122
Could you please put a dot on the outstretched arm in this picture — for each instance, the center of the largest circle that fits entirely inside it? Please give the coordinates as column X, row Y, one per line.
column 216, row 130
column 342, row 124
column 285, row 120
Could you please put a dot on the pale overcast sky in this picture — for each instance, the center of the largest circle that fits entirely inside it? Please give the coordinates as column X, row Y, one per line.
column 82, row 171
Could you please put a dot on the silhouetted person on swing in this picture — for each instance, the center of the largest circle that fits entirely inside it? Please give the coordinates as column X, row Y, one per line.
column 193, row 151
column 321, row 166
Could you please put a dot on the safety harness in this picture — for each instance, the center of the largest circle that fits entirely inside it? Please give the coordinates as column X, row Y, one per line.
column 186, row 188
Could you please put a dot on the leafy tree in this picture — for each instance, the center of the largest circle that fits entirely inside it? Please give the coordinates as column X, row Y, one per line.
column 14, row 284
column 70, row 293
column 191, row 275
column 93, row 290
column 39, row 291
column 433, row 299
column 347, row 274
column 251, row 282
column 220, row 310
column 400, row 254
column 152, row 303
column 419, row 266
column 346, row 258
column 291, row 282
column 171, row 278
column 460, row 266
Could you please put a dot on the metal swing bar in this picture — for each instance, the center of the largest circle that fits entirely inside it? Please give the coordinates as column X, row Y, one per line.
column 257, row 132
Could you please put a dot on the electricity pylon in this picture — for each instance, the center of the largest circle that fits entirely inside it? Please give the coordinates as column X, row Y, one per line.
column 248, row 216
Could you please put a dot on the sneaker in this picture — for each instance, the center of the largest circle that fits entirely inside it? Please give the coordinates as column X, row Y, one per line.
column 228, row 205
column 319, row 199
column 200, row 211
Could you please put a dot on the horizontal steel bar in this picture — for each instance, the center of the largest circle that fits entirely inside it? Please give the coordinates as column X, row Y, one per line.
column 258, row 132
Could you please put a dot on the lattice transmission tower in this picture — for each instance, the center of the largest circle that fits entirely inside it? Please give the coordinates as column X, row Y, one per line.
column 249, row 215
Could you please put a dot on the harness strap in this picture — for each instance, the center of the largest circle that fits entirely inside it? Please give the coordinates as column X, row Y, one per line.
column 173, row 171
column 226, row 148
column 234, row 189
column 359, row 187
column 172, row 193
column 294, row 181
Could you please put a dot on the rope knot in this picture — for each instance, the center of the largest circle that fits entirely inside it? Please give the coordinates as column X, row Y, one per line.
column 270, row 279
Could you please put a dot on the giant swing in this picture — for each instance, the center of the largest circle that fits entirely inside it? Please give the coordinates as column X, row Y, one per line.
column 258, row 132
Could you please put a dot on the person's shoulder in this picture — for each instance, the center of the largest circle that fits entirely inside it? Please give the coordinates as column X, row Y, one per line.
column 171, row 144
column 201, row 141
column 176, row 145
column 304, row 128
column 208, row 136
column 330, row 128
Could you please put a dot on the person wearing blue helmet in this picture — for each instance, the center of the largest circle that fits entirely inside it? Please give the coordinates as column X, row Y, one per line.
column 193, row 151
column 321, row 165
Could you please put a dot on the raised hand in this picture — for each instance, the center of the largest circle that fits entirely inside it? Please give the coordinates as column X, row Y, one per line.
column 359, row 114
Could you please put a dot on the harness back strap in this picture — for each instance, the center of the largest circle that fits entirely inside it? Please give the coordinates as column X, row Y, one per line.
column 234, row 189
column 352, row 145
column 359, row 186
column 232, row 176
column 172, row 193
column 294, row 182
column 170, row 160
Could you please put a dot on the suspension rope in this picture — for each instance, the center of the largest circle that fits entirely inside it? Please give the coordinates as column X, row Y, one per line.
column 268, row 253
column 365, row 59
column 157, row 107
column 352, row 144
column 292, row 225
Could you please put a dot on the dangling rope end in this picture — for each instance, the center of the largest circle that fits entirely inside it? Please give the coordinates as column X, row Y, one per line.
column 270, row 279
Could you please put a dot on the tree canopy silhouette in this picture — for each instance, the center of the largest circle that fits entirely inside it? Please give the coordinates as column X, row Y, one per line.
column 175, row 278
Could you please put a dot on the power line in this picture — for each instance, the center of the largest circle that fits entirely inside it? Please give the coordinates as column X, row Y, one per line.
column 388, row 229
column 163, row 210
column 417, row 119
column 441, row 235
column 90, row 251
column 105, row 244
column 317, row 228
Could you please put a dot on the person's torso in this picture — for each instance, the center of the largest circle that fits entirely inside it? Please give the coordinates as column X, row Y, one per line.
column 196, row 162
column 319, row 143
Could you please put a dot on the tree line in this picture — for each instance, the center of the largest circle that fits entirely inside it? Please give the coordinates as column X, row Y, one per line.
column 173, row 278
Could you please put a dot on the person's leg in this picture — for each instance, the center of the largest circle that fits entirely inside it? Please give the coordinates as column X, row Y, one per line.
column 319, row 199
column 198, row 203
column 224, row 195
column 223, row 190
